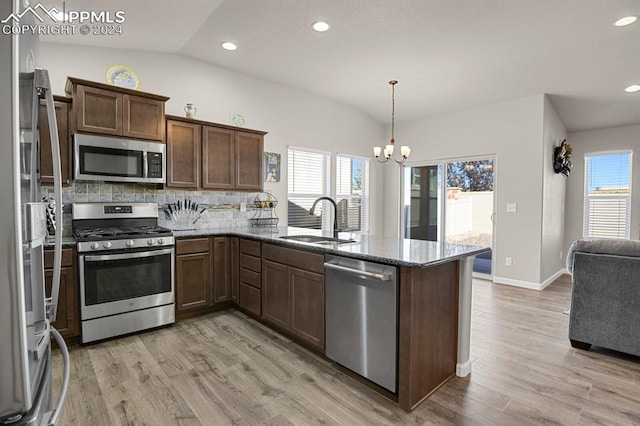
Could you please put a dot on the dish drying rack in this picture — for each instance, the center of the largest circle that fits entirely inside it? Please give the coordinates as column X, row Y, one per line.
column 183, row 214
column 264, row 211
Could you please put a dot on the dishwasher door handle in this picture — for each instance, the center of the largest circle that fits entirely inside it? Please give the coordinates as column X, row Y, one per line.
column 362, row 274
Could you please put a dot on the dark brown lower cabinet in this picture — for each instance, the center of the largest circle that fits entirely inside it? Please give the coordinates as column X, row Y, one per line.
column 193, row 274
column 68, row 314
column 292, row 298
column 276, row 306
column 307, row 306
column 249, row 298
column 221, row 269
column 249, row 276
column 235, row 268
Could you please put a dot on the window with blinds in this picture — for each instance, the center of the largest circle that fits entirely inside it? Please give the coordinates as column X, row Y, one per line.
column 308, row 179
column 607, row 201
column 352, row 193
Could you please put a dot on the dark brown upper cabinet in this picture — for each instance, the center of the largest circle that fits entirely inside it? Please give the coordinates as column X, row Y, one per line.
column 218, row 155
column 183, row 154
column 46, row 161
column 115, row 111
column 230, row 157
column 249, row 149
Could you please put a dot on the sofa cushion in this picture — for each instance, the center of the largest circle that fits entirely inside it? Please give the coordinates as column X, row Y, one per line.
column 603, row 246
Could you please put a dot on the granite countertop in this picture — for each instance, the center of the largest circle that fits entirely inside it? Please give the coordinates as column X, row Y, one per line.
column 394, row 251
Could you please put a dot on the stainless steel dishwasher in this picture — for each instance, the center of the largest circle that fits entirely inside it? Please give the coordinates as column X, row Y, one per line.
column 362, row 318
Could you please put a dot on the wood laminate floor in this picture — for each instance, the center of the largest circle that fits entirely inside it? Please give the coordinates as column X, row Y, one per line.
column 225, row 368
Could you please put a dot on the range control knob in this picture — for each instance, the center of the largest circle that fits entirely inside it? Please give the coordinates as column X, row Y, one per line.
column 95, row 246
column 160, row 241
column 150, row 242
column 129, row 243
column 107, row 244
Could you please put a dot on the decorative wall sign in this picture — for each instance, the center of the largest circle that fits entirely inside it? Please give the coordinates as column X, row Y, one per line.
column 562, row 158
column 271, row 167
column 123, row 76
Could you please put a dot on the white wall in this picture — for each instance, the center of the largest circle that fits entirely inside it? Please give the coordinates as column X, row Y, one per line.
column 553, row 197
column 513, row 132
column 601, row 140
column 291, row 116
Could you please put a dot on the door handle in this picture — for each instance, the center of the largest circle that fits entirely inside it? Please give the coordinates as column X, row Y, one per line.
column 363, row 274
column 43, row 85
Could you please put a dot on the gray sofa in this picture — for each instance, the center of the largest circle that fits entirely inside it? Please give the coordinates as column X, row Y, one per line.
column 605, row 300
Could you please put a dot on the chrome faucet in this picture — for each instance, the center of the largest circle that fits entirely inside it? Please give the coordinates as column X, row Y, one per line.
column 335, row 213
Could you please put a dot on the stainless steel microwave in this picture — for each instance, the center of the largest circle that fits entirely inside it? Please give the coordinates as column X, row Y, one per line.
column 118, row 160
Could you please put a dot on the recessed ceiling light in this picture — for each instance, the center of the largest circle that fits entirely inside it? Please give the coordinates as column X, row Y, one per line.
column 633, row 88
column 627, row 20
column 227, row 45
column 320, row 26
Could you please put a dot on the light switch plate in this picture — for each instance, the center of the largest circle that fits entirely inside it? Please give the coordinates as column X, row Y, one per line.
column 512, row 207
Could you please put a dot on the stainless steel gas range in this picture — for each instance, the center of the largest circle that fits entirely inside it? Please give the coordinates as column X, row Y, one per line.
column 126, row 269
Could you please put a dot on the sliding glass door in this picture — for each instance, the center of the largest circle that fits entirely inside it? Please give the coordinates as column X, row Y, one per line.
column 422, row 202
column 459, row 211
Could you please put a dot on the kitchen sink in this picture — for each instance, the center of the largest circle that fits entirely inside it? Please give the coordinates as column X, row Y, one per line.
column 315, row 239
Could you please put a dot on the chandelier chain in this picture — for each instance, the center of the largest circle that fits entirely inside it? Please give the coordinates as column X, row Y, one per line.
column 393, row 110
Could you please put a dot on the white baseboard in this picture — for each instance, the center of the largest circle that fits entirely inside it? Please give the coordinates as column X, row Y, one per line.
column 529, row 284
column 463, row 370
column 553, row 277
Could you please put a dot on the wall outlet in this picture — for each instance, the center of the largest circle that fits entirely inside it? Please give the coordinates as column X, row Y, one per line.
column 508, row 261
column 512, row 207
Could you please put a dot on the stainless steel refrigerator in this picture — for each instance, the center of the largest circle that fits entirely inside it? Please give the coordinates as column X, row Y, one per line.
column 26, row 312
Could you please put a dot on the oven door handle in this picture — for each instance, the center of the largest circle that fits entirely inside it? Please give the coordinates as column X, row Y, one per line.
column 128, row 255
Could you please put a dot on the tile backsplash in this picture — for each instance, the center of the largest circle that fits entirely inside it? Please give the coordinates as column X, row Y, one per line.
column 222, row 207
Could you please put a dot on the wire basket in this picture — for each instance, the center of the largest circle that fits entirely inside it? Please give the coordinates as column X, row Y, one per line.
column 264, row 212
column 264, row 221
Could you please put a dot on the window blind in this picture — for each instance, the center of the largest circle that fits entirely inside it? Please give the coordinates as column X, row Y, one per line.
column 352, row 193
column 607, row 210
column 308, row 179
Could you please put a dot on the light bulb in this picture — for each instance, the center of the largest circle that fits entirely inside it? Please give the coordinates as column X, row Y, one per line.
column 405, row 151
column 376, row 151
column 389, row 148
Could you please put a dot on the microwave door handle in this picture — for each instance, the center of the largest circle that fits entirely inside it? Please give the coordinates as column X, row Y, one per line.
column 145, row 164
column 43, row 85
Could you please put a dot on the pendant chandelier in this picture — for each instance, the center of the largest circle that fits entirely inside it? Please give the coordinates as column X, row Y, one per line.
column 405, row 151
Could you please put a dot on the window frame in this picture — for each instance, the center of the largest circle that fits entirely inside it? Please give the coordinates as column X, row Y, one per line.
column 366, row 197
column 327, row 220
column 587, row 198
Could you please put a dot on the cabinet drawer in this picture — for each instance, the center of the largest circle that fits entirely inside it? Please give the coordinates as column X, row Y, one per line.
column 67, row 258
column 252, row 263
column 250, row 247
column 196, row 245
column 249, row 277
column 297, row 258
column 250, row 298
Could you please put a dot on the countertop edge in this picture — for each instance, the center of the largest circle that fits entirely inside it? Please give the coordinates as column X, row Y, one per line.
column 272, row 238
column 269, row 238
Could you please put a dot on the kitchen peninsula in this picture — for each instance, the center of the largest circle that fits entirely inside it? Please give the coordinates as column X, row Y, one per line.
column 434, row 293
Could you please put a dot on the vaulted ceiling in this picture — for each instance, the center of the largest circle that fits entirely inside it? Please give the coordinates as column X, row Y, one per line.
column 448, row 55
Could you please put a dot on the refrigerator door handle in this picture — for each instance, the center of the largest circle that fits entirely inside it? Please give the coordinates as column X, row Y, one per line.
column 54, row 420
column 43, row 343
column 43, row 85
